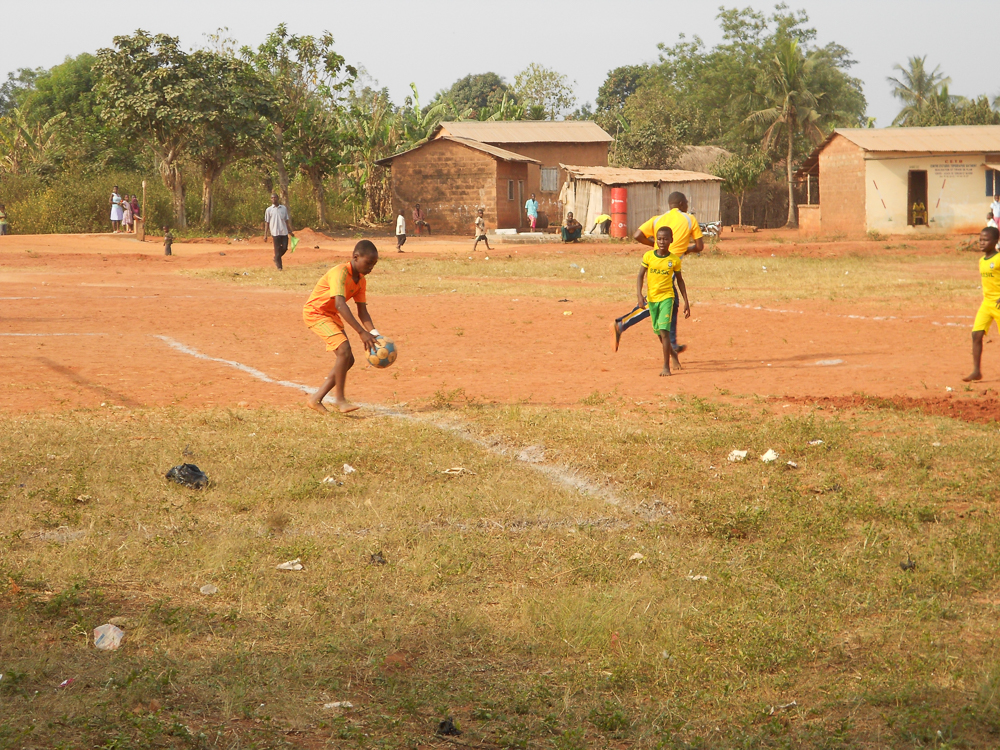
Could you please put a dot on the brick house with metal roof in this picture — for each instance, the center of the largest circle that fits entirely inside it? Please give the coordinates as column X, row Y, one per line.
column 495, row 166
column 901, row 180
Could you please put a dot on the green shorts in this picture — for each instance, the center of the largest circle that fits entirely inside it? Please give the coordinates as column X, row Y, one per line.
column 660, row 314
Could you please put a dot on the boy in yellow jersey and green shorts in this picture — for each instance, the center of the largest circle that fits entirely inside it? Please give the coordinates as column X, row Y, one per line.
column 660, row 269
column 687, row 239
column 989, row 310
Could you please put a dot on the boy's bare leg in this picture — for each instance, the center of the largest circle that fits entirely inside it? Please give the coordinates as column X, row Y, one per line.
column 977, row 357
column 667, row 351
column 315, row 401
column 335, row 381
column 345, row 361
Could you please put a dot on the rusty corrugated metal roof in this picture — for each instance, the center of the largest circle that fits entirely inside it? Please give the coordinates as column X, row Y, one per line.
column 486, row 148
column 944, row 139
column 527, row 131
column 623, row 176
column 960, row 139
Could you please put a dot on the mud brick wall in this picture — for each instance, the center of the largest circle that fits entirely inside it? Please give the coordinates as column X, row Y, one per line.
column 842, row 180
column 451, row 182
column 552, row 155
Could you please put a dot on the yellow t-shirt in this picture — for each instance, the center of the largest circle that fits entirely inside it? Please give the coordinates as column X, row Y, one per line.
column 991, row 278
column 660, row 275
column 684, row 226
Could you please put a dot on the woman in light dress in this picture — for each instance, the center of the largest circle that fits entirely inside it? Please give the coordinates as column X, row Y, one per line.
column 116, row 210
column 127, row 216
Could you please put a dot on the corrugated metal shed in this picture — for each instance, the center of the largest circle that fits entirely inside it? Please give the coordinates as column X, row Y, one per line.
column 526, row 131
column 588, row 193
column 621, row 176
column 945, row 139
column 485, row 148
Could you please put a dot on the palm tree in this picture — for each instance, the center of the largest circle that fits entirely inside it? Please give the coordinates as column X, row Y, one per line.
column 790, row 107
column 916, row 87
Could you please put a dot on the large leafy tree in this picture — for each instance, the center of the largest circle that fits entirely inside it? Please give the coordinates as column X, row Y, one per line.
column 152, row 91
column 232, row 123
column 916, row 87
column 303, row 77
column 787, row 107
column 474, row 93
column 740, row 174
column 17, row 86
column 548, row 90
column 86, row 141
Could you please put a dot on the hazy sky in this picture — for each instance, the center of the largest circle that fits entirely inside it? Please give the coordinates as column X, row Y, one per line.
column 434, row 43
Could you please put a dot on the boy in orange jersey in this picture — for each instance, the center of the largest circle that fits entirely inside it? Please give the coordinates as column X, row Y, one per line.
column 325, row 313
column 989, row 310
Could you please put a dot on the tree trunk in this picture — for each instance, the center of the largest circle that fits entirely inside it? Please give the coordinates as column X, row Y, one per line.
column 319, row 193
column 174, row 182
column 739, row 206
column 279, row 164
column 792, row 222
column 209, row 174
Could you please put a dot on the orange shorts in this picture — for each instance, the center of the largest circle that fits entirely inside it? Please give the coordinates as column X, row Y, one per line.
column 329, row 331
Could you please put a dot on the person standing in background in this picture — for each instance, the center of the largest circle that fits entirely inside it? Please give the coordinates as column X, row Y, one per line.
column 420, row 219
column 531, row 208
column 480, row 229
column 400, row 231
column 116, row 210
column 4, row 224
column 127, row 215
column 279, row 224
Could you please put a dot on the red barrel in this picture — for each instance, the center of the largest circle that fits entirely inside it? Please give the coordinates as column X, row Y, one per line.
column 619, row 212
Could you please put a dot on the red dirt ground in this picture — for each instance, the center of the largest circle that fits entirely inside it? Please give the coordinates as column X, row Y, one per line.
column 122, row 294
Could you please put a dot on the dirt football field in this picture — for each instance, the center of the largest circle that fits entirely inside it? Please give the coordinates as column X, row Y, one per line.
column 106, row 320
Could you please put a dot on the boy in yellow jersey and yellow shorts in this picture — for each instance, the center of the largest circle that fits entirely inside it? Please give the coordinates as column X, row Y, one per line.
column 325, row 312
column 989, row 310
column 660, row 269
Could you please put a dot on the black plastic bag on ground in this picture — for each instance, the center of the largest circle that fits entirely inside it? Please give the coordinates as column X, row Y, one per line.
column 189, row 475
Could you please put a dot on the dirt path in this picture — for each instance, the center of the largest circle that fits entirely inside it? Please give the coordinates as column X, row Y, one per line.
column 80, row 319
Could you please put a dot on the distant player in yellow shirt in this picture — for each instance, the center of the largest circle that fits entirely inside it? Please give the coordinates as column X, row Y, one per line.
column 989, row 310
column 661, row 270
column 687, row 238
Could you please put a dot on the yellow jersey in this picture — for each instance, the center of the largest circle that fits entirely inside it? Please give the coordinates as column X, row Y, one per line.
column 660, row 275
column 684, row 226
column 991, row 278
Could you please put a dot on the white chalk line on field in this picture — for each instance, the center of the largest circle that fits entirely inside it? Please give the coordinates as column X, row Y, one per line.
column 879, row 318
column 559, row 475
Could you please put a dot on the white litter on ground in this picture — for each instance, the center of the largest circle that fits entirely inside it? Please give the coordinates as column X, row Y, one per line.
column 736, row 455
column 295, row 564
column 769, row 456
column 560, row 475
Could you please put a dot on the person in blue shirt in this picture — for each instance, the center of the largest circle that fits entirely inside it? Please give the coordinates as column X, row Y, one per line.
column 531, row 208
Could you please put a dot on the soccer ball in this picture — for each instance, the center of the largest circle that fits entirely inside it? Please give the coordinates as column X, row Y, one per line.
column 383, row 354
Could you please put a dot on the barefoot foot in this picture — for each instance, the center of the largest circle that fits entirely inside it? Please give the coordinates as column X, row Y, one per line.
column 676, row 362
column 316, row 406
column 974, row 376
column 665, row 372
column 346, row 407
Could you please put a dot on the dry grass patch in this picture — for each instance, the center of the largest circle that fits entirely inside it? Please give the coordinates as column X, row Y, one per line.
column 713, row 277
column 514, row 605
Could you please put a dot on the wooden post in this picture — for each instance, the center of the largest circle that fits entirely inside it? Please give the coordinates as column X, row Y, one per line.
column 140, row 224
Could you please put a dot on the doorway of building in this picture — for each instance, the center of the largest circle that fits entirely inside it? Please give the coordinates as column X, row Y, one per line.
column 916, row 198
